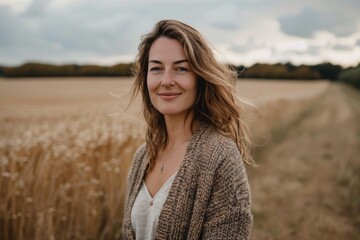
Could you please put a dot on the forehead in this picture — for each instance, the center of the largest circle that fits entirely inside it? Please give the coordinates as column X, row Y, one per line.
column 166, row 50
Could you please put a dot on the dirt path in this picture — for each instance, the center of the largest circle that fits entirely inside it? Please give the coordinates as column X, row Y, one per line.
column 308, row 169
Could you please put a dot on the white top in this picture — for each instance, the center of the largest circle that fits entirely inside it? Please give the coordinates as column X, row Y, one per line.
column 146, row 210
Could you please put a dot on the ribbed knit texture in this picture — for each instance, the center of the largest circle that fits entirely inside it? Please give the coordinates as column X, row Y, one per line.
column 210, row 196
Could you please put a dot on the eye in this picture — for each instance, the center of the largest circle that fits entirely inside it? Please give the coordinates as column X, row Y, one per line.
column 182, row 69
column 155, row 69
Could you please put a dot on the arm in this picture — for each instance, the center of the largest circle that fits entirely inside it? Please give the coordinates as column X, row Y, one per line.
column 228, row 213
column 135, row 167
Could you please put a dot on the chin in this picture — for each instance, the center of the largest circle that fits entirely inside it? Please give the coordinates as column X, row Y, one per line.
column 169, row 112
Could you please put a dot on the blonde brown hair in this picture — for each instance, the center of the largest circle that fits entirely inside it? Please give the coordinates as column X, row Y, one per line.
column 216, row 102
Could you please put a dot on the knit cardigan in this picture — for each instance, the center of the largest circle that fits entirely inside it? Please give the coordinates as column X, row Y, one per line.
column 210, row 195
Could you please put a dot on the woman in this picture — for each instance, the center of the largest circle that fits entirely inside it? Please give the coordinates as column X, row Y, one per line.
column 188, row 181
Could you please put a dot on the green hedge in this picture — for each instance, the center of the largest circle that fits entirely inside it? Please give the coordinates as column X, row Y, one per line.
column 48, row 70
column 265, row 71
column 351, row 76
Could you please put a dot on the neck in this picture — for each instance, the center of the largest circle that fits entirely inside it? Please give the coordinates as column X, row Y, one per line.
column 178, row 129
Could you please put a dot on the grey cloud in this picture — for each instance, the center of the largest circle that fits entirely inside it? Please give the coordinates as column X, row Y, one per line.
column 228, row 17
column 310, row 20
column 340, row 4
column 83, row 28
column 7, row 25
column 62, row 32
column 341, row 47
column 91, row 28
column 240, row 48
column 249, row 45
column 314, row 50
column 225, row 25
column 15, row 30
column 37, row 7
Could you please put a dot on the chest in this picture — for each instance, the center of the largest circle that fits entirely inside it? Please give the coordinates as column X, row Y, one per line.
column 146, row 210
column 164, row 167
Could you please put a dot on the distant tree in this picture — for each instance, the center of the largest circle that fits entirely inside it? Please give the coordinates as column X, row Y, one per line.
column 259, row 70
column 92, row 71
column 351, row 76
column 304, row 72
column 26, row 70
column 1, row 71
column 48, row 70
column 122, row 70
column 290, row 67
column 68, row 70
column 278, row 71
column 281, row 71
column 328, row 70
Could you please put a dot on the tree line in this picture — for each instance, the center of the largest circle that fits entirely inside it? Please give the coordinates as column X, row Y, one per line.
column 290, row 71
column 260, row 70
column 69, row 70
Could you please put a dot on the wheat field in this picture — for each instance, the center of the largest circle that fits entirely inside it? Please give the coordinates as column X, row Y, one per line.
column 66, row 147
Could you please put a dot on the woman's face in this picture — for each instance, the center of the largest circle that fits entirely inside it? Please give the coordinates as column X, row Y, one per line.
column 171, row 82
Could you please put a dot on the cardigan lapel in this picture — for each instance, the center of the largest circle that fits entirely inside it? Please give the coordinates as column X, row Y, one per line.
column 178, row 186
column 186, row 171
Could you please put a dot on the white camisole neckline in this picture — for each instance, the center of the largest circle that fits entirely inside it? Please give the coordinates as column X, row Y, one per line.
column 146, row 209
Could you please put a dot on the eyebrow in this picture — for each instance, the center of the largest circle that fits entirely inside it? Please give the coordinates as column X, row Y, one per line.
column 176, row 62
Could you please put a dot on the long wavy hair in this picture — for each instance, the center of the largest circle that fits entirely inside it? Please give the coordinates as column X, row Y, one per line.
column 216, row 103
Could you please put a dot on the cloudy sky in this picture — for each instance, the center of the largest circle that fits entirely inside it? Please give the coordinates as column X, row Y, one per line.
column 107, row 32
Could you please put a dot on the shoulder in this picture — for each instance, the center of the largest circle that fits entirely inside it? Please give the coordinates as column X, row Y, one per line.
column 223, row 164
column 229, row 168
column 139, row 156
column 138, row 159
column 220, row 146
column 223, row 143
column 140, row 151
column 217, row 151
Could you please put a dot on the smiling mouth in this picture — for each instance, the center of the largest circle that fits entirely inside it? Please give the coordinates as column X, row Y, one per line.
column 168, row 95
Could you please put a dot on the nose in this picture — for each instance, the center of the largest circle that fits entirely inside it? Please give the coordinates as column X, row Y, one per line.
column 167, row 79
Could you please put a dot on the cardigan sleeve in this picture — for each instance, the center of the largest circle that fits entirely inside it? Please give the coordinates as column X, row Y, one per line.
column 228, row 214
column 135, row 167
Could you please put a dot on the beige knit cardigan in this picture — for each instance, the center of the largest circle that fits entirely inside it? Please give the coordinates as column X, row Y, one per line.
column 209, row 198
